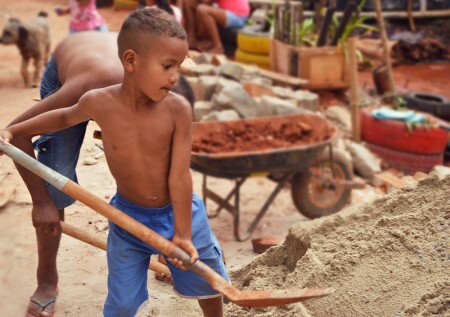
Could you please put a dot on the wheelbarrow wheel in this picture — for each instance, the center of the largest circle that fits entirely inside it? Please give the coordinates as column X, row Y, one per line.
column 315, row 197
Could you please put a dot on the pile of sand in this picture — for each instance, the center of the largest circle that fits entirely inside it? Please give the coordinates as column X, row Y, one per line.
column 387, row 258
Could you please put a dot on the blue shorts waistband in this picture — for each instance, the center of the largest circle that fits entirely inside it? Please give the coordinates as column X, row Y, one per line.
column 118, row 199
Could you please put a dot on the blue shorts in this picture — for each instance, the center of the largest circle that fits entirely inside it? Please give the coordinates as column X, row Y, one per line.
column 129, row 257
column 59, row 150
column 235, row 21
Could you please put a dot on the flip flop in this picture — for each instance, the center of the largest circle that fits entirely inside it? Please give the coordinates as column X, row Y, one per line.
column 42, row 305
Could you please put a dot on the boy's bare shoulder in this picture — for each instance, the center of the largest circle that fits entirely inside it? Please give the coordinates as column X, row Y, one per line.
column 178, row 103
column 101, row 96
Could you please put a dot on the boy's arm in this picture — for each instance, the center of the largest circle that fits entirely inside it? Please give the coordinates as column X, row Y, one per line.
column 50, row 121
column 180, row 181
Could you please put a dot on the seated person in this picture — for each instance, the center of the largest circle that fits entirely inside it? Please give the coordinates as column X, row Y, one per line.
column 232, row 14
column 166, row 6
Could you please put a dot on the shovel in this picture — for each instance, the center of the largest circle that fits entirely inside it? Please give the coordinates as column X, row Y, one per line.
column 164, row 246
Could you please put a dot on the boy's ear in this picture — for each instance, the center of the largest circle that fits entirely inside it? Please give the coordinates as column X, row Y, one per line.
column 129, row 60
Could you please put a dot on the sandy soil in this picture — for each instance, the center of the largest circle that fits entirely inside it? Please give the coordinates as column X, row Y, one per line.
column 360, row 252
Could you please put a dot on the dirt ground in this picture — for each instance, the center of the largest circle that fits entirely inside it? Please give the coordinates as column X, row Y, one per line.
column 83, row 269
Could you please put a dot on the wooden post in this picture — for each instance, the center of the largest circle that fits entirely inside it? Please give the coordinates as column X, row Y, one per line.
column 354, row 90
column 412, row 25
column 387, row 56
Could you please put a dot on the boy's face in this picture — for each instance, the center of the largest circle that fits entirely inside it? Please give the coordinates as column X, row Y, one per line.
column 157, row 73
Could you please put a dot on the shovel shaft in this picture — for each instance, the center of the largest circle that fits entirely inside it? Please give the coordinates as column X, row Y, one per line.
column 121, row 219
column 243, row 298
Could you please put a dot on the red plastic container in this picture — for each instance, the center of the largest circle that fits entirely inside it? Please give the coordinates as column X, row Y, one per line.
column 393, row 134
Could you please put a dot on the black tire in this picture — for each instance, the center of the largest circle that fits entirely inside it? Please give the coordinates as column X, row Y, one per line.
column 313, row 200
column 435, row 104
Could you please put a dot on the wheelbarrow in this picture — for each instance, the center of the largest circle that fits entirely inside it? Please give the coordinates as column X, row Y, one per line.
column 320, row 179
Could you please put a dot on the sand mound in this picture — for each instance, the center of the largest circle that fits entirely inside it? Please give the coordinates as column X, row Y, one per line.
column 388, row 258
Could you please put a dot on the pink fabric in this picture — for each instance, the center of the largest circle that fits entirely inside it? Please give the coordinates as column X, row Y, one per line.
column 238, row 7
column 84, row 18
column 176, row 12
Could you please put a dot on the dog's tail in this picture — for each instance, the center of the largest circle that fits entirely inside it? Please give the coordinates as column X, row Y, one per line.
column 42, row 14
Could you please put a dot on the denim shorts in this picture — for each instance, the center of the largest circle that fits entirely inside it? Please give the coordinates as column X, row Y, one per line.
column 235, row 21
column 129, row 257
column 59, row 150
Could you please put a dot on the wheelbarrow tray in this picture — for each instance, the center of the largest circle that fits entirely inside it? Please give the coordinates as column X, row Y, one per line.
column 240, row 164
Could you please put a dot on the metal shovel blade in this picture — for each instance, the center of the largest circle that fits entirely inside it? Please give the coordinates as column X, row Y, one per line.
column 279, row 297
column 166, row 247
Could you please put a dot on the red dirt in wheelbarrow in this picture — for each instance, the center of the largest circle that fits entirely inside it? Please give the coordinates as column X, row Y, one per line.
column 259, row 135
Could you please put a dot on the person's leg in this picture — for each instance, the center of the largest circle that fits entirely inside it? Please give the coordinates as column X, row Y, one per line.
column 42, row 302
column 189, row 7
column 212, row 18
column 191, row 285
column 128, row 259
column 60, row 152
column 212, row 307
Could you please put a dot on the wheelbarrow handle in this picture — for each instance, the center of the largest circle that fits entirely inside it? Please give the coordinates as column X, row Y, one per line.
column 118, row 217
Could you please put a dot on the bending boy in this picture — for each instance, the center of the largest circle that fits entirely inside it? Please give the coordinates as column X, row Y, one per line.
column 146, row 131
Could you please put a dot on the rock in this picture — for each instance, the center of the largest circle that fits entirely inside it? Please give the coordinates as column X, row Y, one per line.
column 218, row 59
column 283, row 92
column 201, row 109
column 340, row 115
column 231, row 95
column 203, row 58
column 90, row 161
column 186, row 66
column 99, row 155
column 258, row 80
column 102, row 226
column 258, row 90
column 205, row 87
column 203, row 69
column 272, row 106
column 192, row 81
column 232, row 70
column 365, row 162
column 306, row 100
column 441, row 171
column 226, row 115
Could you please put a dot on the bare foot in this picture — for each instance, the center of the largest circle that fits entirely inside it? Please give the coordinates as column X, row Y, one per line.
column 42, row 303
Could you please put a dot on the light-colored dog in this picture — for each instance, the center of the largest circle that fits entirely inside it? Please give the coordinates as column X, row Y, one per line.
column 33, row 41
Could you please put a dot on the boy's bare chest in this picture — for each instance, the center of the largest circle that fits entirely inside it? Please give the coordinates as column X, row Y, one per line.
column 148, row 132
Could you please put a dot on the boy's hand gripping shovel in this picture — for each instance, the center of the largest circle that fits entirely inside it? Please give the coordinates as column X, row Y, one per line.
column 242, row 298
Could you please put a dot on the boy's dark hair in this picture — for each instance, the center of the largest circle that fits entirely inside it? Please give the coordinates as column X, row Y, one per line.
column 141, row 23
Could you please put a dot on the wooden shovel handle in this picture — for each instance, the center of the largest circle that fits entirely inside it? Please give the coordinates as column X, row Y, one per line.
column 121, row 219
column 97, row 242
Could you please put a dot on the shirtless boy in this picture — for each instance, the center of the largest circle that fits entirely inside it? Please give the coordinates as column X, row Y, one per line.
column 146, row 131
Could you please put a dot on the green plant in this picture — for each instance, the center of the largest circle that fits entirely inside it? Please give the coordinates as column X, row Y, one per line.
column 306, row 32
column 356, row 22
